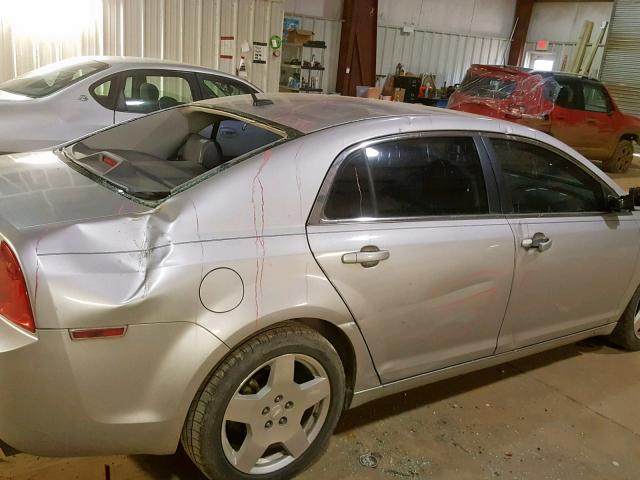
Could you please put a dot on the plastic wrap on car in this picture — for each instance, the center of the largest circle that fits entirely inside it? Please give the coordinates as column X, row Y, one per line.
column 507, row 93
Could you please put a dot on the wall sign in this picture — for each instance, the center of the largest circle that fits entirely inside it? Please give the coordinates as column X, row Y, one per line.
column 259, row 52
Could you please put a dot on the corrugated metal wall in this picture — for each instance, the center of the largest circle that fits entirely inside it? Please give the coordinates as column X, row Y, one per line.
column 444, row 54
column 564, row 54
column 187, row 31
column 621, row 64
column 329, row 31
column 20, row 54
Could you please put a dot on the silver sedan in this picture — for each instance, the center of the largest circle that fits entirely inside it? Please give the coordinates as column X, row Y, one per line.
column 234, row 273
column 71, row 98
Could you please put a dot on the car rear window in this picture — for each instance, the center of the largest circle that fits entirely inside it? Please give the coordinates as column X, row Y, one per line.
column 152, row 157
column 52, row 78
column 487, row 86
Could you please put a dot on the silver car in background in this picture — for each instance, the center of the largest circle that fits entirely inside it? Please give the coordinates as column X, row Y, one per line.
column 69, row 99
column 165, row 281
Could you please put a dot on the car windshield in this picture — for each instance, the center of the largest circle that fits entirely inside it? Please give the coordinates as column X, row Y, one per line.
column 52, row 78
column 151, row 157
column 486, row 86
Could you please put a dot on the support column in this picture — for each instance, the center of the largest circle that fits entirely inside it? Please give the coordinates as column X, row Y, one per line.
column 524, row 8
column 357, row 61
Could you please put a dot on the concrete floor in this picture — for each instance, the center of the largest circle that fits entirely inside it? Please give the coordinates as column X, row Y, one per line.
column 564, row 414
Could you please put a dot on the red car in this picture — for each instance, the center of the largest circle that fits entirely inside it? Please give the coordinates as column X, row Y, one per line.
column 577, row 110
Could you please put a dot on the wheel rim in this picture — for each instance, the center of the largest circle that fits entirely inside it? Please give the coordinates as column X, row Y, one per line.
column 623, row 159
column 636, row 321
column 276, row 414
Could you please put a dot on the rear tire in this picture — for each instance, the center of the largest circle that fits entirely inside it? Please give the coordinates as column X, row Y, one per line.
column 627, row 332
column 269, row 409
column 621, row 159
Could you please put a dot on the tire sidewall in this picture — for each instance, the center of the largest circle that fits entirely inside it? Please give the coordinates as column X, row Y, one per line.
column 612, row 165
column 215, row 462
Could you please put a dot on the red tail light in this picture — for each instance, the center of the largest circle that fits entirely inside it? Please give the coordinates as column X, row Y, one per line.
column 14, row 298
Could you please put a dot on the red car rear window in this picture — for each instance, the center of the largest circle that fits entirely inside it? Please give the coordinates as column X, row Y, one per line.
column 487, row 87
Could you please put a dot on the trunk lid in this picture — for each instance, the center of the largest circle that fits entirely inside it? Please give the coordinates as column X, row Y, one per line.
column 39, row 189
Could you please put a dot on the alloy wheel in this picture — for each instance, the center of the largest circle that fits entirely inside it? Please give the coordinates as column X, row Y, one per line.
column 276, row 414
column 623, row 158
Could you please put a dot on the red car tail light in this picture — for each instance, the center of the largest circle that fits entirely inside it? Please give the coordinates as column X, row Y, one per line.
column 14, row 298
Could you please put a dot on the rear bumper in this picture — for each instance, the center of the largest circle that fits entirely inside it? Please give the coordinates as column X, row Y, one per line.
column 106, row 396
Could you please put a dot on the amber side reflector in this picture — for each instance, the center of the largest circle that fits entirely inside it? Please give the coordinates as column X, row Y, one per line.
column 91, row 333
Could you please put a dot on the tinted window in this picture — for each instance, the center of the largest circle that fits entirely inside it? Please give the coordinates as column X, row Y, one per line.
column 350, row 195
column 47, row 80
column 541, row 181
column 595, row 98
column 482, row 86
column 410, row 178
column 570, row 95
column 214, row 87
column 102, row 94
column 147, row 93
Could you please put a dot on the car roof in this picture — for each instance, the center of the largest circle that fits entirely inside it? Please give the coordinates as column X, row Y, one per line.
column 525, row 72
column 309, row 113
column 145, row 62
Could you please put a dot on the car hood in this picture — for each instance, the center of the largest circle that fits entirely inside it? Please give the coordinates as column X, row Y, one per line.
column 38, row 189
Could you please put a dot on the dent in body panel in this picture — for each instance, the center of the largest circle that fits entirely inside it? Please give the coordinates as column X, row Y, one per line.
column 119, row 271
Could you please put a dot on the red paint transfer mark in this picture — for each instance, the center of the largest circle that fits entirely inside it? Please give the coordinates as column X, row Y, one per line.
column 257, row 189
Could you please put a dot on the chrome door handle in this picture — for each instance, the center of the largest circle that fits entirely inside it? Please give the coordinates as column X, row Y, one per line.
column 368, row 256
column 539, row 241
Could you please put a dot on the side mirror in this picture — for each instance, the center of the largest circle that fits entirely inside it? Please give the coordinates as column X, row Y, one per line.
column 617, row 204
column 626, row 202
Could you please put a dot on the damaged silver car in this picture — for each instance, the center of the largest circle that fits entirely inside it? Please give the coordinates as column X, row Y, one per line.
column 233, row 274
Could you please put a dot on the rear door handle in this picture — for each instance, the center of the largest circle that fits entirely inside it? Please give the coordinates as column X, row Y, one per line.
column 539, row 242
column 368, row 256
column 591, row 121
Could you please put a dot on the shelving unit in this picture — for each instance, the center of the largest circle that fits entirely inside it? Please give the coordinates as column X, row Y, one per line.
column 298, row 77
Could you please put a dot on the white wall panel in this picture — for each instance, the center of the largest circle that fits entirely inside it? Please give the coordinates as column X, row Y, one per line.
column 20, row 54
column 491, row 18
column 564, row 53
column 180, row 30
column 189, row 31
column 330, row 9
column 562, row 22
column 444, row 54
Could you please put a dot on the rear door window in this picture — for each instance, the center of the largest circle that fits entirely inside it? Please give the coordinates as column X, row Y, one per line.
column 146, row 92
column 409, row 178
column 595, row 98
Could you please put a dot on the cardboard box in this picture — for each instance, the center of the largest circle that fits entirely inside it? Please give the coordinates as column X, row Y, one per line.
column 373, row 92
column 299, row 36
column 398, row 95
